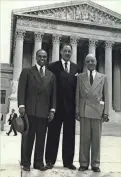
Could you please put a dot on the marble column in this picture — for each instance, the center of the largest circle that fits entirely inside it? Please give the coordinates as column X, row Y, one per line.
column 18, row 54
column 55, row 47
column 37, row 45
column 108, row 69
column 50, row 55
column 120, row 75
column 101, row 63
column 18, row 58
column 116, row 82
column 73, row 41
column 85, row 53
column 92, row 46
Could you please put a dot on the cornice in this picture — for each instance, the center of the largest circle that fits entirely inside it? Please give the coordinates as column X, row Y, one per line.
column 41, row 17
column 66, row 4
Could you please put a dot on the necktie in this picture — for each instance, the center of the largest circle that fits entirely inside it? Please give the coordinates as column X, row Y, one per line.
column 41, row 71
column 91, row 78
column 66, row 68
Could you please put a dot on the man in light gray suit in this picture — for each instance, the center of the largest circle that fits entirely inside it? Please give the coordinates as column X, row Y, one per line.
column 92, row 107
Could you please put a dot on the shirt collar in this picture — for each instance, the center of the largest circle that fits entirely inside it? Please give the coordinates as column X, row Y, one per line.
column 38, row 67
column 63, row 61
column 93, row 72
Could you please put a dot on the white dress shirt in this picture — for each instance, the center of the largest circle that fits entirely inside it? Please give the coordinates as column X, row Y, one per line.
column 68, row 64
column 93, row 74
column 43, row 68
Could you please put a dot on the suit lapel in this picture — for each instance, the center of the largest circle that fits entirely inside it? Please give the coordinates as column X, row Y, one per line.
column 61, row 66
column 85, row 81
column 42, row 82
column 96, row 81
column 46, row 79
column 71, row 67
column 36, row 74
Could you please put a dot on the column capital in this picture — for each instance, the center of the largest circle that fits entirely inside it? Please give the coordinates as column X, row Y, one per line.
column 109, row 44
column 20, row 34
column 56, row 38
column 38, row 36
column 93, row 42
column 73, row 39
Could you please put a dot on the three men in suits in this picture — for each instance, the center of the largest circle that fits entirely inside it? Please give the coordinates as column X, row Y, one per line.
column 92, row 107
column 13, row 116
column 36, row 98
column 65, row 72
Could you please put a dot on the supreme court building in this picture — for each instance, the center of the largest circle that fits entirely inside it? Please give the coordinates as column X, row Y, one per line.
column 89, row 27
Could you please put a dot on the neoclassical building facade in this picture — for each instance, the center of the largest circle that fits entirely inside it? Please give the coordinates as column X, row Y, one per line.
column 89, row 27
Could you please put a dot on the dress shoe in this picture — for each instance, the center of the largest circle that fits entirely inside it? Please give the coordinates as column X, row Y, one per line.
column 96, row 169
column 49, row 166
column 41, row 167
column 15, row 135
column 72, row 167
column 26, row 168
column 82, row 168
column 7, row 134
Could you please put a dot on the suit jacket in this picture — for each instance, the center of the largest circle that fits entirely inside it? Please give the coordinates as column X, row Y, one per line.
column 66, row 87
column 88, row 98
column 36, row 93
column 12, row 118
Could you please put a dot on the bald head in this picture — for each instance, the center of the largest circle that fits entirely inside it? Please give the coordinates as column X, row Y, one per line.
column 90, row 62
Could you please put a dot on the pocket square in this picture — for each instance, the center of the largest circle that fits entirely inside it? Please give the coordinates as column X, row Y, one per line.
column 102, row 102
column 76, row 74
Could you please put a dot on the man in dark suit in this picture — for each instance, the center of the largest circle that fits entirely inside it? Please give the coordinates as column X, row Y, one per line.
column 92, row 108
column 13, row 116
column 36, row 98
column 65, row 72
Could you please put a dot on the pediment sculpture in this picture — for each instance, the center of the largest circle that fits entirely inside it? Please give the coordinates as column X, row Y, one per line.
column 80, row 13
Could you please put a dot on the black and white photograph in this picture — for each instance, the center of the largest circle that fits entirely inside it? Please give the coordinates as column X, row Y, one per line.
column 60, row 88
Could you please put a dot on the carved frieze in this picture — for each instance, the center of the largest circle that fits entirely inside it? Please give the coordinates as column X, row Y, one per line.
column 83, row 12
column 28, row 22
column 117, row 35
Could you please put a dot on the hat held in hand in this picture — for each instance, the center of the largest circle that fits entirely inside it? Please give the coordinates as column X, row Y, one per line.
column 21, row 124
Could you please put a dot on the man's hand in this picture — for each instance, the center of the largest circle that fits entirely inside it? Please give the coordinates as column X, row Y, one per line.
column 105, row 118
column 51, row 116
column 22, row 111
column 77, row 117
